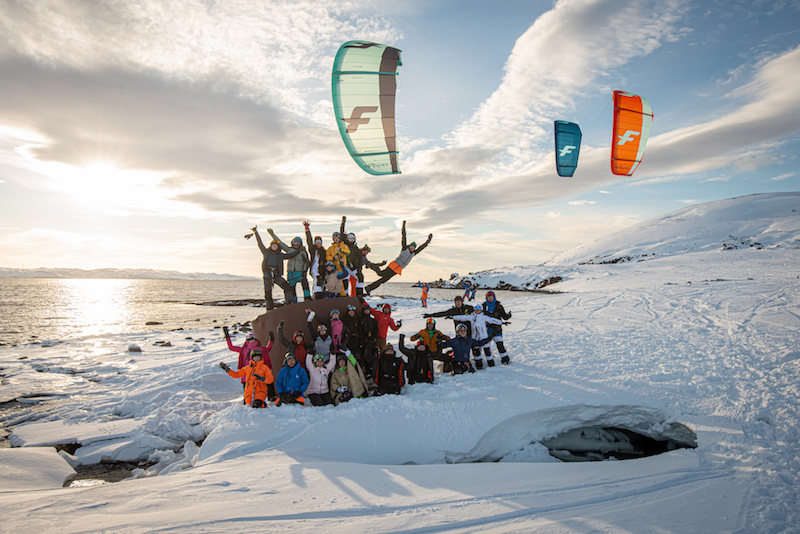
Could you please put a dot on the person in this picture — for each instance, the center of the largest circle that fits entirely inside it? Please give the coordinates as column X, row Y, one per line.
column 368, row 340
column 297, row 267
column 317, row 256
column 331, row 282
column 297, row 345
column 366, row 262
column 480, row 330
column 251, row 343
column 420, row 361
column 493, row 308
column 407, row 253
column 272, row 268
column 469, row 290
column 348, row 380
column 459, row 308
column 292, row 381
column 351, row 333
column 259, row 384
column 462, row 344
column 390, row 372
column 328, row 336
column 338, row 253
column 424, row 296
column 385, row 322
column 318, row 373
column 430, row 336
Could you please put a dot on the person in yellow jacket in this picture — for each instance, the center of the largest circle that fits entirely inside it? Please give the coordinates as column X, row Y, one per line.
column 259, row 383
column 338, row 253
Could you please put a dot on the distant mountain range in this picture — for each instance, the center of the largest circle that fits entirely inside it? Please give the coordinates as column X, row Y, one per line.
column 6, row 272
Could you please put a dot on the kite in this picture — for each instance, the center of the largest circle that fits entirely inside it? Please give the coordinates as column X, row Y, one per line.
column 364, row 83
column 632, row 119
column 568, row 147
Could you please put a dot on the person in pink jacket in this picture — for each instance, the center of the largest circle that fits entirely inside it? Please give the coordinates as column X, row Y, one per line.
column 250, row 344
column 385, row 322
column 318, row 371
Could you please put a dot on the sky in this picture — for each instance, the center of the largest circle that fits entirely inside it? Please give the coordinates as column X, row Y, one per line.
column 154, row 135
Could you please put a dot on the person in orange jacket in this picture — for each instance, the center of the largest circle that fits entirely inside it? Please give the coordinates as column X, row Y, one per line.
column 259, row 383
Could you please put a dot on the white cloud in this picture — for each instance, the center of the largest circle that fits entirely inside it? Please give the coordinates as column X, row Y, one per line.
column 582, row 202
column 781, row 177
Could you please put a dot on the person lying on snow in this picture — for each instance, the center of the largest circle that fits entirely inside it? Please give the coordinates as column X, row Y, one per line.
column 407, row 253
column 390, row 372
column 420, row 361
column 462, row 344
column 291, row 382
column 258, row 386
column 318, row 373
column 480, row 330
column 347, row 380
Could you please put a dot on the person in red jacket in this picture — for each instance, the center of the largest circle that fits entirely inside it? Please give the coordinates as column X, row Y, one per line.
column 259, row 383
column 385, row 322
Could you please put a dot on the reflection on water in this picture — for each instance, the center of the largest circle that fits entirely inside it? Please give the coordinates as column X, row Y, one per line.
column 97, row 306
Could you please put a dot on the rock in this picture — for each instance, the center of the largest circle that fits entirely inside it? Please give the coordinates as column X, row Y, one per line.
column 134, row 348
column 152, row 323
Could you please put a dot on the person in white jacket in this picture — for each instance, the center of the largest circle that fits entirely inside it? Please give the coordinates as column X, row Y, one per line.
column 480, row 330
column 318, row 372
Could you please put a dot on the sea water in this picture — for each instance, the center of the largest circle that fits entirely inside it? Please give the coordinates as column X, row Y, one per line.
column 55, row 309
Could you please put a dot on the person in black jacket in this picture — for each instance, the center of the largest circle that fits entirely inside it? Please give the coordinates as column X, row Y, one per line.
column 390, row 372
column 420, row 361
column 368, row 341
column 493, row 308
column 317, row 257
column 272, row 267
column 459, row 308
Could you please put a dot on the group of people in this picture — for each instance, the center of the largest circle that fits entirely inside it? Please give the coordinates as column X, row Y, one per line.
column 347, row 356
column 335, row 271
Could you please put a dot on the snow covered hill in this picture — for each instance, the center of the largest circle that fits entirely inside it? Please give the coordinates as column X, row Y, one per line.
column 708, row 338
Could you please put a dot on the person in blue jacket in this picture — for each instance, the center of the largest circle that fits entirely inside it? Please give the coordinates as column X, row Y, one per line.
column 462, row 346
column 292, row 381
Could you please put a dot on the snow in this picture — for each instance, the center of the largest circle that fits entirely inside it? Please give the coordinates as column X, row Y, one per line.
column 701, row 336
column 32, row 469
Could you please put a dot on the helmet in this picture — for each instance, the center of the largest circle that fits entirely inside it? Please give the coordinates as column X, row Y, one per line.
column 386, row 307
column 460, row 327
column 328, row 263
column 250, row 336
column 420, row 343
column 351, row 237
column 388, row 348
column 297, row 240
column 289, row 356
column 489, row 293
column 255, row 354
column 430, row 323
column 336, row 234
column 319, row 357
column 334, row 311
column 274, row 242
column 322, row 327
column 365, row 249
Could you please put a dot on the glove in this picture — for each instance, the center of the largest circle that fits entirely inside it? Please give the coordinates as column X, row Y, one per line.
column 295, row 394
column 260, row 378
column 346, row 396
column 227, row 334
column 311, row 316
column 258, row 403
column 399, row 323
column 306, row 225
column 471, row 369
column 509, row 315
column 280, row 324
column 342, row 389
column 402, row 336
column 426, row 315
column 224, row 366
column 271, row 336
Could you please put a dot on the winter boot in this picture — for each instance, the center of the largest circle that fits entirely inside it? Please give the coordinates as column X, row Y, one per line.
column 490, row 363
column 478, row 364
column 505, row 360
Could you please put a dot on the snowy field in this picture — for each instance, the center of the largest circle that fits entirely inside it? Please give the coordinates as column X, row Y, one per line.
column 695, row 334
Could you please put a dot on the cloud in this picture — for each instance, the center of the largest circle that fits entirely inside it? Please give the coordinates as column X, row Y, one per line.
column 582, row 202
column 781, row 177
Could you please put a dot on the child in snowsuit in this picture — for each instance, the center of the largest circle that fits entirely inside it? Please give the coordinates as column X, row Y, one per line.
column 407, row 253
column 251, row 343
column 493, row 308
column 272, row 268
column 385, row 322
column 390, row 372
column 347, row 380
column 462, row 344
column 258, row 385
column 292, row 381
column 480, row 330
column 318, row 372
column 296, row 267
column 420, row 362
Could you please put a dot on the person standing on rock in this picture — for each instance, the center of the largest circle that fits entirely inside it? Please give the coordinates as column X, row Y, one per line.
column 272, row 268
column 297, row 267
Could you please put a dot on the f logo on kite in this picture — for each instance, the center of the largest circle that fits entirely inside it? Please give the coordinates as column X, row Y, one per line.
column 355, row 117
column 627, row 136
column 567, row 149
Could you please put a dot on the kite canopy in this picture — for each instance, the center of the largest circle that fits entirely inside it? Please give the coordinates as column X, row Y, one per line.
column 364, row 83
column 632, row 119
column 568, row 147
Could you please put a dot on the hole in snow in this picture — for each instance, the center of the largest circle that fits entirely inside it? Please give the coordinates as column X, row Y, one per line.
column 580, row 433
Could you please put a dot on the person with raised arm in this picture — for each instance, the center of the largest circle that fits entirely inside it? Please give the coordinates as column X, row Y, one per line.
column 272, row 268
column 297, row 267
column 407, row 253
